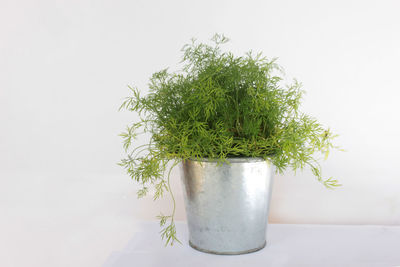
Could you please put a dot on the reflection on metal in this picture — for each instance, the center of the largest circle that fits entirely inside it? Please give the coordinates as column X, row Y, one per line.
column 227, row 205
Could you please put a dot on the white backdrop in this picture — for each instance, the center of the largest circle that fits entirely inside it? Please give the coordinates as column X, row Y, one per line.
column 64, row 68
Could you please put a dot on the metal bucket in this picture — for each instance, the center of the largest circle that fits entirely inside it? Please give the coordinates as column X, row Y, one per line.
column 227, row 205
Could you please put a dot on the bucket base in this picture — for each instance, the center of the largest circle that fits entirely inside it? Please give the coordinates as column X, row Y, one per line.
column 227, row 253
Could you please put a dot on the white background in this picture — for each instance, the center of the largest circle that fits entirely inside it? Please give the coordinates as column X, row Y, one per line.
column 65, row 67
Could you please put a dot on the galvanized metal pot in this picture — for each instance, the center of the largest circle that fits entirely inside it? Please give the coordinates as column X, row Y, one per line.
column 227, row 205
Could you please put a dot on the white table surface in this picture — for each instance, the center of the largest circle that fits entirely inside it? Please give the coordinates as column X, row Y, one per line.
column 287, row 245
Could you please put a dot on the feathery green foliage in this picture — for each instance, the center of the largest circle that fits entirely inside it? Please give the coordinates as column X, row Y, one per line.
column 219, row 106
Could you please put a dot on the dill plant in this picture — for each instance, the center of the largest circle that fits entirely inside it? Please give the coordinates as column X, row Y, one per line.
column 219, row 106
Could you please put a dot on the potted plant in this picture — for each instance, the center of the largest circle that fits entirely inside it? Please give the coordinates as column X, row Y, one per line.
column 232, row 122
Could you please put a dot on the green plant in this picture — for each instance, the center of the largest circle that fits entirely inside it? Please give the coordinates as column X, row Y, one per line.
column 219, row 106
